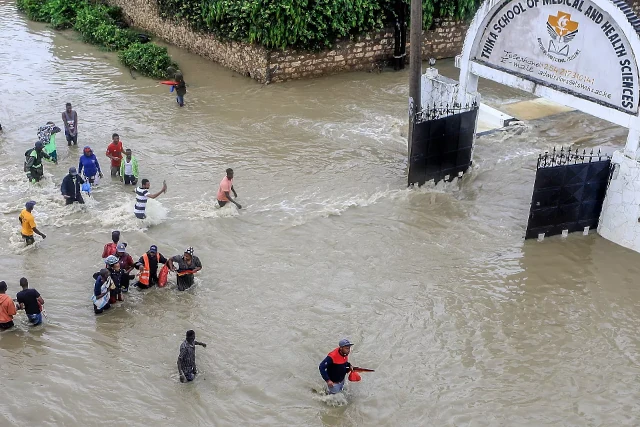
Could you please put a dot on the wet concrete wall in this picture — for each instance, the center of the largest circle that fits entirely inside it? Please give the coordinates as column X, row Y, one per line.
column 367, row 53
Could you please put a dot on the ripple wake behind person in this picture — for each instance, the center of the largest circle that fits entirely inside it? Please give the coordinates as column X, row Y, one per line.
column 142, row 194
column 89, row 165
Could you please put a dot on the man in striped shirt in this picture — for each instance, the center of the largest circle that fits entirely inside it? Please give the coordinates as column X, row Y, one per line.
column 142, row 194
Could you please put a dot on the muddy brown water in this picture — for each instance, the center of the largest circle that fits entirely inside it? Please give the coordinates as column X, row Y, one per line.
column 465, row 323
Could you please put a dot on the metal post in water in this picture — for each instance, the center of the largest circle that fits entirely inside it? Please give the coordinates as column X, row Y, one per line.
column 415, row 63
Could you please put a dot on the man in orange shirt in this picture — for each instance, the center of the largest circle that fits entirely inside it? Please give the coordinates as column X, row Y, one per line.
column 7, row 308
column 115, row 150
column 225, row 189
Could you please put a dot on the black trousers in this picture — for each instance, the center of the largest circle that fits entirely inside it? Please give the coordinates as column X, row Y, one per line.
column 78, row 199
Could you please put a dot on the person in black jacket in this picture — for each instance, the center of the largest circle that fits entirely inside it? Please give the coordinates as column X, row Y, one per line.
column 335, row 367
column 71, row 187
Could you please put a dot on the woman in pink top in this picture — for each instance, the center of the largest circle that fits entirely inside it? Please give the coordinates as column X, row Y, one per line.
column 226, row 187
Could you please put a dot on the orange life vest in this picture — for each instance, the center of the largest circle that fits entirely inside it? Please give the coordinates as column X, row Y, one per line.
column 337, row 358
column 144, row 273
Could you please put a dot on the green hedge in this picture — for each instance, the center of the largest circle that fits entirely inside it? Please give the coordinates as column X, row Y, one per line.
column 96, row 23
column 148, row 59
column 304, row 24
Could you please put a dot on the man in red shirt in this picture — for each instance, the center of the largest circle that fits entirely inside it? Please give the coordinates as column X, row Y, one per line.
column 111, row 248
column 115, row 150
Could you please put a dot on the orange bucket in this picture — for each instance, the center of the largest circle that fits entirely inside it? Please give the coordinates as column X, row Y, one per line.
column 354, row 376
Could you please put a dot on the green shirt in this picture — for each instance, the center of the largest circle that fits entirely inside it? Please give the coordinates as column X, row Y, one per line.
column 134, row 166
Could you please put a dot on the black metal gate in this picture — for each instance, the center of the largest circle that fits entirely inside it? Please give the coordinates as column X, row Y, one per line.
column 568, row 192
column 441, row 143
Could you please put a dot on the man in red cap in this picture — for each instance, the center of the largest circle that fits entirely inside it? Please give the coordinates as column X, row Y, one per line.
column 335, row 367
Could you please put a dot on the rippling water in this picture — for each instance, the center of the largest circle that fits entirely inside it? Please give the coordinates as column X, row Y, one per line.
column 464, row 323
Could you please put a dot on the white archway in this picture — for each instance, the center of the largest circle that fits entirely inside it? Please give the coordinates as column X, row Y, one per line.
column 580, row 53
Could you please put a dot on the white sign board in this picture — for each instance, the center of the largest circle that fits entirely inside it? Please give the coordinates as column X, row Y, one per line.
column 569, row 45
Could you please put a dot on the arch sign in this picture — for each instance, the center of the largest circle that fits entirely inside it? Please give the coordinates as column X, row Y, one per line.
column 580, row 53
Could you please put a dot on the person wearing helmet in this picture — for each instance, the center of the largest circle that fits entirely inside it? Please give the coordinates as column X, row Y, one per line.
column 335, row 367
column 116, row 273
column 126, row 265
column 28, row 224
column 187, row 265
column 33, row 162
column 89, row 164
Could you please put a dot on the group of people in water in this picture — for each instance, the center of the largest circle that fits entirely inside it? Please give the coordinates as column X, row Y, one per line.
column 114, row 280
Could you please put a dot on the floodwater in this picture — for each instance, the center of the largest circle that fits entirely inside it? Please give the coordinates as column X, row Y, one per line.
column 464, row 322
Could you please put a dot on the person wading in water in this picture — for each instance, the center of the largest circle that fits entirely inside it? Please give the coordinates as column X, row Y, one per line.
column 31, row 302
column 335, row 367
column 142, row 194
column 28, row 223
column 187, row 265
column 148, row 266
column 187, row 357
column 225, row 189
column 7, row 308
column 70, row 120
column 115, row 150
column 71, row 187
column 33, row 162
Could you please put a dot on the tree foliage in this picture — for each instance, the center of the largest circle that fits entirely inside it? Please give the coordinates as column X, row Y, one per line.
column 98, row 24
column 305, row 24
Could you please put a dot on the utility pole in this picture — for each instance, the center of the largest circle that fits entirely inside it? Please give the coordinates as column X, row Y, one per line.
column 415, row 62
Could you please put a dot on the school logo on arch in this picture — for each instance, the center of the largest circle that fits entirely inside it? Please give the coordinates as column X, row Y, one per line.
column 562, row 31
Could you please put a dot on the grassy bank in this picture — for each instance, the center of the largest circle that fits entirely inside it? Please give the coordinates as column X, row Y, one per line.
column 101, row 25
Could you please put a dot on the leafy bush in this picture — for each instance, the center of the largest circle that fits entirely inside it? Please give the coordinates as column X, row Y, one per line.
column 62, row 13
column 114, row 38
column 305, row 24
column 89, row 19
column 98, row 24
column 148, row 59
column 34, row 9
